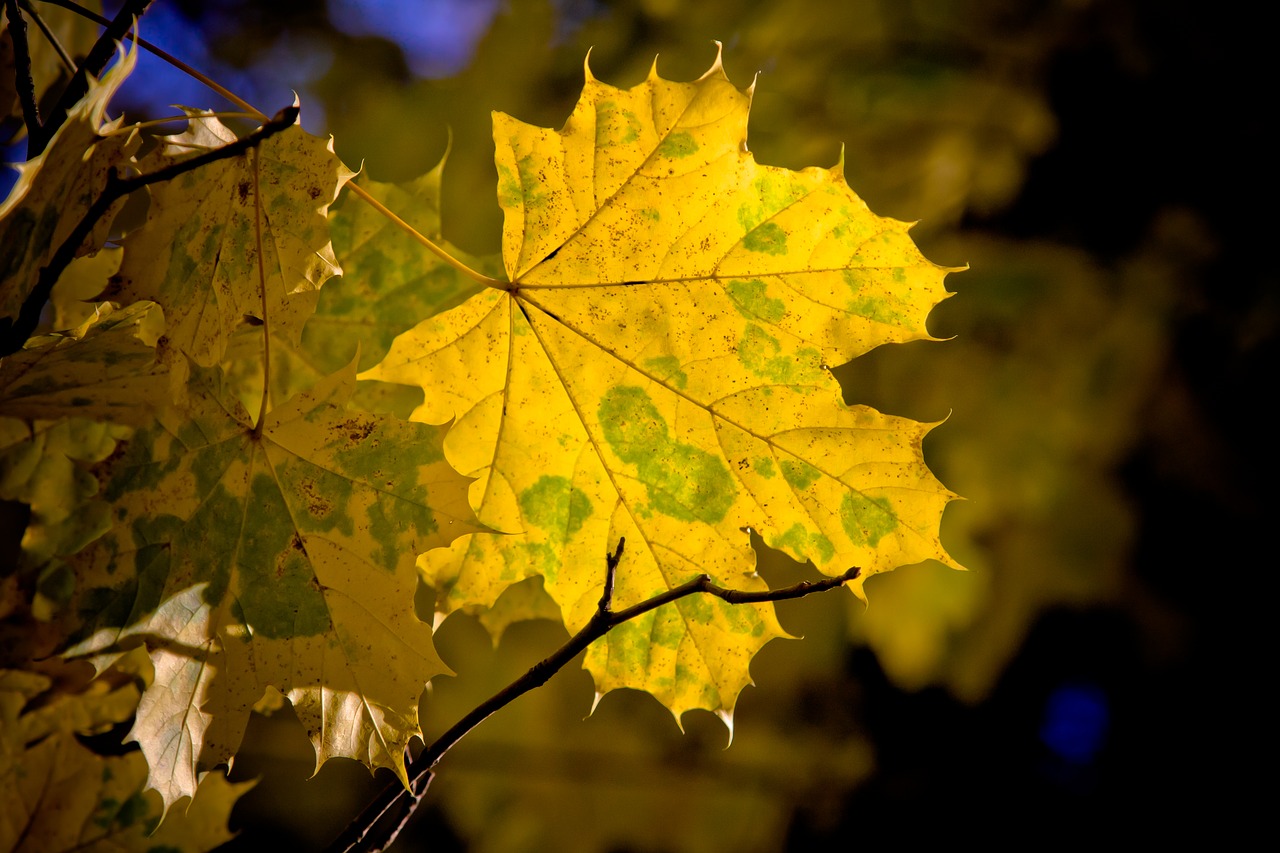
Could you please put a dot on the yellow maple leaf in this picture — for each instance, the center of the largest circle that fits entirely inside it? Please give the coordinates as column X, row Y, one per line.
column 655, row 368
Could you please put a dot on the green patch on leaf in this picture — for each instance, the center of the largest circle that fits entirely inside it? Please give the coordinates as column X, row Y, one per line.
column 761, row 353
column 798, row 473
column 801, row 542
column 553, row 505
column 768, row 238
column 667, row 368
column 677, row 145
column 278, row 588
column 615, row 125
column 682, row 481
column 753, row 302
column 867, row 520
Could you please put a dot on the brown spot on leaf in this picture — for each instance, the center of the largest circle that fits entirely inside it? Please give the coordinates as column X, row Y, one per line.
column 356, row 429
column 317, row 504
column 314, row 192
column 243, row 190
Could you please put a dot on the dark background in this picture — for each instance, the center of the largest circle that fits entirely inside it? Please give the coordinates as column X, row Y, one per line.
column 1101, row 166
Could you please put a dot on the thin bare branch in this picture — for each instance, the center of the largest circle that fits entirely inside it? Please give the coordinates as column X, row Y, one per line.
column 23, row 80
column 96, row 60
column 50, row 36
column 359, row 834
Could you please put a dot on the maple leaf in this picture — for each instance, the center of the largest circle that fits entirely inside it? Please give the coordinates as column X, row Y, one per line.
column 210, row 229
column 55, row 189
column 655, row 368
column 284, row 559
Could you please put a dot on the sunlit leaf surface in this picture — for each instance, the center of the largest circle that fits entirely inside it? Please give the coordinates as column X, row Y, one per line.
column 657, row 370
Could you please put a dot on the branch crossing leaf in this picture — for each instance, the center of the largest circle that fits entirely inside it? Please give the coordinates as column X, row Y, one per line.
column 55, row 189
column 197, row 253
column 656, row 369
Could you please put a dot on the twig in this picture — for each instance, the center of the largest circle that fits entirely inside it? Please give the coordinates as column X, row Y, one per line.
column 23, row 80
column 14, row 333
column 167, row 57
column 49, row 35
column 97, row 58
column 359, row 835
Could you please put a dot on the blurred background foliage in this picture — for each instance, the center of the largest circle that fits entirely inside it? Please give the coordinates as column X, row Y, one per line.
column 1096, row 163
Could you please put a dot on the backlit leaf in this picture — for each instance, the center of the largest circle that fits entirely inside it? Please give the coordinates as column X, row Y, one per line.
column 283, row 560
column 197, row 254
column 60, row 796
column 104, row 370
column 656, row 369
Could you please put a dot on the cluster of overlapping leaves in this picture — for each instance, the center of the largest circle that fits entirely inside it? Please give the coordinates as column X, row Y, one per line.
column 220, row 512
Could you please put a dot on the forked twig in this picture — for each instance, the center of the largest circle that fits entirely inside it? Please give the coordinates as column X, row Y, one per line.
column 360, row 834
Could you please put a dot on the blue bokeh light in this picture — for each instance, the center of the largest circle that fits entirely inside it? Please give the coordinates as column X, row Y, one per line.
column 1076, row 720
column 437, row 37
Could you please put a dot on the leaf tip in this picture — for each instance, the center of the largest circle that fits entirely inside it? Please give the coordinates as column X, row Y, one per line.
column 653, row 70
column 726, row 717
column 586, row 67
column 837, row 171
column 717, row 67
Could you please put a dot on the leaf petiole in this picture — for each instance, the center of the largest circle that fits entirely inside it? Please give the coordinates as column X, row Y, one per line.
column 427, row 242
column 262, row 289
column 435, row 249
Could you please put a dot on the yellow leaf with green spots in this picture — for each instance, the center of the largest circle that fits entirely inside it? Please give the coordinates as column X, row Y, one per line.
column 282, row 558
column 655, row 368
column 213, row 234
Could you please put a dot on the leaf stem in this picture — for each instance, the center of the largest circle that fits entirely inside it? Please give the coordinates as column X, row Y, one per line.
column 358, row 836
column 262, row 288
column 360, row 191
column 15, row 332
column 425, row 241
column 161, row 53
column 49, row 35
column 97, row 58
